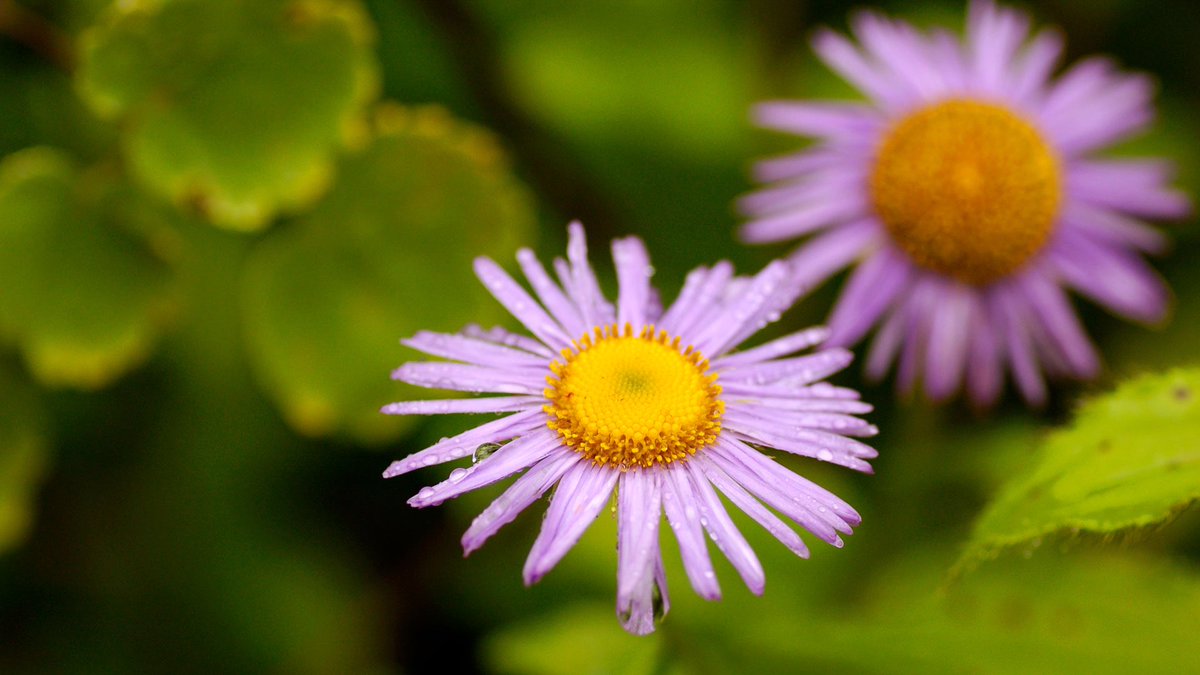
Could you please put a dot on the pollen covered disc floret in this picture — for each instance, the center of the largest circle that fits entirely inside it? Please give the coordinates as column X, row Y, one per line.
column 627, row 399
column 967, row 189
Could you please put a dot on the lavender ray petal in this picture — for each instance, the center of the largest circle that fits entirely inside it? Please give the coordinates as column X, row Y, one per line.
column 805, row 190
column 519, row 496
column 760, row 436
column 796, row 164
column 841, row 55
column 752, row 507
column 723, row 532
column 1018, row 345
column 788, row 344
column 509, row 459
column 596, row 311
column 551, row 296
column 1115, row 279
column 949, row 336
column 886, row 344
column 799, row 404
column 994, row 35
column 797, row 370
column 811, row 216
column 476, row 379
column 897, row 48
column 679, row 503
column 633, row 279
column 520, row 304
column 500, row 336
column 580, row 496
column 1112, row 228
column 1031, row 74
column 687, row 310
column 867, row 294
column 985, row 373
column 639, row 513
column 781, row 419
column 758, row 304
column 640, row 615
column 473, row 351
column 779, row 495
column 1053, row 311
column 493, row 404
column 464, row 444
column 818, row 119
column 827, row 253
column 1137, row 187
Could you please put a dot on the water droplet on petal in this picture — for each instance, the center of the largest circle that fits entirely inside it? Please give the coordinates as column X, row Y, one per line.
column 483, row 452
column 825, row 456
column 457, row 475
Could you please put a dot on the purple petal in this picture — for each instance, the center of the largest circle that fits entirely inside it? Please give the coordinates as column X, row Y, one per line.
column 520, row 304
column 805, row 218
column 633, row 278
column 697, row 298
column 583, row 287
column 559, row 305
column 1137, row 187
column 797, row 371
column 493, row 404
column 985, row 375
column 818, row 119
column 639, row 513
column 477, row 379
column 499, row 336
column 581, row 494
column 509, row 459
column 1030, row 75
column 844, row 57
column 1053, row 311
column 752, row 507
column 524, row 491
column 1118, row 280
column 871, row 289
column 472, row 350
column 949, row 334
column 464, row 444
column 1112, row 228
column 723, row 532
column 1018, row 344
column 788, row 344
column 754, row 307
column 827, row 253
column 680, row 504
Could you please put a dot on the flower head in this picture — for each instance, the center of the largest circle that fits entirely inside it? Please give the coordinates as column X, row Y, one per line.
column 966, row 192
column 653, row 404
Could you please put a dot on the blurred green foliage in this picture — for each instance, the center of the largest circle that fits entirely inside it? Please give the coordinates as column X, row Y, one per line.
column 217, row 217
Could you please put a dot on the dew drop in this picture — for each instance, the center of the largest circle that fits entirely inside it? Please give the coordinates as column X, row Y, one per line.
column 457, row 475
column 483, row 452
column 825, row 456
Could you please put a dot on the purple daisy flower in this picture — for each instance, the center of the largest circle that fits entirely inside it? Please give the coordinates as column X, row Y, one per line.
column 967, row 193
column 625, row 397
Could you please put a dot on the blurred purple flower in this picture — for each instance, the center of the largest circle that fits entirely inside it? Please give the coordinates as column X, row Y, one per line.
column 622, row 397
column 966, row 193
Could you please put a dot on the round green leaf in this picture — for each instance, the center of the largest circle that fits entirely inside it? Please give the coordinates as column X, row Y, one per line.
column 23, row 451
column 232, row 108
column 387, row 253
column 83, row 298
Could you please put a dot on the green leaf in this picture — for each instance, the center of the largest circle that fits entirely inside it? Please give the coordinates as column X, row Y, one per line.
column 84, row 299
column 1047, row 614
column 581, row 640
column 232, row 108
column 387, row 253
column 23, row 451
column 1130, row 459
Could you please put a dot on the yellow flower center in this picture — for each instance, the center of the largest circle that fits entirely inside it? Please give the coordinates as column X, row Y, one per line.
column 967, row 189
column 629, row 400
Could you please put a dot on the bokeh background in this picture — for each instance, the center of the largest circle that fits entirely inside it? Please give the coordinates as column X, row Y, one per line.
column 218, row 217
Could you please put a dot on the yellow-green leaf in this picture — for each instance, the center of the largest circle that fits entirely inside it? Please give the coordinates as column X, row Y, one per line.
column 387, row 253
column 1131, row 458
column 232, row 108
column 23, row 450
column 84, row 298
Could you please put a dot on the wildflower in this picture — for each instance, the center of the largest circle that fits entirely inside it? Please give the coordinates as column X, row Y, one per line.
column 967, row 194
column 653, row 404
